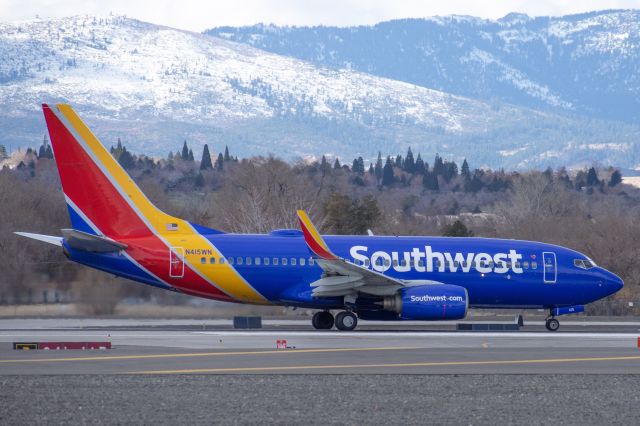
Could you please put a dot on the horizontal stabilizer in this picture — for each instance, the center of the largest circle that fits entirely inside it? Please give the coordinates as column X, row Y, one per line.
column 88, row 242
column 56, row 241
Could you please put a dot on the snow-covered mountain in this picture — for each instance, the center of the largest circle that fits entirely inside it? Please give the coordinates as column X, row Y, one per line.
column 154, row 86
column 587, row 63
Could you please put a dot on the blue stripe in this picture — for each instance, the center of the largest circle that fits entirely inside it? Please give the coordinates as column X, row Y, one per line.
column 115, row 263
column 78, row 223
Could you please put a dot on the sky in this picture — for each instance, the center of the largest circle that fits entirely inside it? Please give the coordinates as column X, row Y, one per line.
column 198, row 15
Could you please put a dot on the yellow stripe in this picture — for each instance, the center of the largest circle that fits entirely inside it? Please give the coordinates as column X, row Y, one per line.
column 395, row 365
column 312, row 230
column 203, row 354
column 226, row 277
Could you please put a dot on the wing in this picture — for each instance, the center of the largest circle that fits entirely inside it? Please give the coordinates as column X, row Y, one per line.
column 340, row 277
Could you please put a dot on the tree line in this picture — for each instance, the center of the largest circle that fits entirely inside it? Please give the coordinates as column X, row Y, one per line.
column 590, row 210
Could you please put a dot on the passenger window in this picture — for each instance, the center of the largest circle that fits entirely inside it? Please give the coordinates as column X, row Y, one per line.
column 534, row 265
column 284, row 261
column 518, row 265
column 312, row 261
column 239, row 260
column 248, row 262
column 387, row 262
column 421, row 263
column 203, row 260
column 367, row 262
column 266, row 261
column 231, row 261
column 257, row 261
column 525, row 264
column 275, row 261
column 395, row 262
column 212, row 261
column 302, row 261
column 222, row 260
column 294, row 261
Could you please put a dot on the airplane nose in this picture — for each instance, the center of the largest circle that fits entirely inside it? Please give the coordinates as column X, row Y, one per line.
column 613, row 282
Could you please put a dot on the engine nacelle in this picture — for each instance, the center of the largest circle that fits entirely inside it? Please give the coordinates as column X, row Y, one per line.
column 429, row 302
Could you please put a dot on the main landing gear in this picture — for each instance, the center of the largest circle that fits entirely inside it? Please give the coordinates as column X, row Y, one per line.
column 344, row 321
column 322, row 320
column 552, row 324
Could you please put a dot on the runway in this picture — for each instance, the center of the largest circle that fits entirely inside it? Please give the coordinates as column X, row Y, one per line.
column 161, row 349
column 170, row 372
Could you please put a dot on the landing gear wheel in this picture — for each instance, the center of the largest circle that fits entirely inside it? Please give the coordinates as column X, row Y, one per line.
column 346, row 321
column 552, row 324
column 322, row 320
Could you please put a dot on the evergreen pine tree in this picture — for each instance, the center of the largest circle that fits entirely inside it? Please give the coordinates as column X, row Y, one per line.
column 219, row 163
column 616, row 178
column 378, row 168
column 226, row 153
column 199, row 180
column 324, row 164
column 464, row 171
column 185, row 151
column 371, row 169
column 409, row 162
column 125, row 159
column 3, row 151
column 430, row 181
column 49, row 152
column 387, row 173
column 336, row 164
column 205, row 163
column 419, row 168
column 438, row 166
column 191, row 156
column 592, row 177
column 456, row 229
column 399, row 162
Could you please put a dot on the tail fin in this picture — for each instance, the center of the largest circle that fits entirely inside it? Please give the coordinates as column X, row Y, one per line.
column 312, row 237
column 101, row 197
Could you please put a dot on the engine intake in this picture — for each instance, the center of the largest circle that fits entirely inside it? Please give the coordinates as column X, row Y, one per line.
column 429, row 302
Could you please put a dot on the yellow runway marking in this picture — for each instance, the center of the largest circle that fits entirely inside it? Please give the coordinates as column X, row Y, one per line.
column 412, row 364
column 203, row 354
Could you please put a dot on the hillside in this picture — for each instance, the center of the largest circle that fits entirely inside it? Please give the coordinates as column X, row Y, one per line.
column 154, row 86
column 588, row 63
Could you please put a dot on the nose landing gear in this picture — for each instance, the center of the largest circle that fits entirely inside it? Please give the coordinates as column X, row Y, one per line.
column 552, row 324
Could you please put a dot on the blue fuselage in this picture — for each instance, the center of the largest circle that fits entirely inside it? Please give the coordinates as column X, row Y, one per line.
column 496, row 273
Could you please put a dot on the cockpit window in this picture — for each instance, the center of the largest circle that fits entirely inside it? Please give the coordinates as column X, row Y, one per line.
column 584, row 263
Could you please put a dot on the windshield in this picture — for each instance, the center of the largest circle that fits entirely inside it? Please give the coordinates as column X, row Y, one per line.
column 584, row 263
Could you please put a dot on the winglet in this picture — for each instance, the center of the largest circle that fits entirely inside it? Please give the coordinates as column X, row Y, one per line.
column 313, row 239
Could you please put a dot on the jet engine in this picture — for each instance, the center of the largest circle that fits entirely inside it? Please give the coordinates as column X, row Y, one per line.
column 429, row 302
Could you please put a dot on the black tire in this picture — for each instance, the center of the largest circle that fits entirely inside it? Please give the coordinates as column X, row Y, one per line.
column 346, row 321
column 322, row 320
column 552, row 324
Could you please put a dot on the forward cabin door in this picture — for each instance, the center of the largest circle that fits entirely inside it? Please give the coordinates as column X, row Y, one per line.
column 176, row 262
column 550, row 270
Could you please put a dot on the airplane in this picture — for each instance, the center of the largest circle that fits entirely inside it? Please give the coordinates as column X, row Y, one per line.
column 115, row 228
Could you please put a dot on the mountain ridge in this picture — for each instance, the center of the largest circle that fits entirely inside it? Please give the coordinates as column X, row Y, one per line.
column 153, row 86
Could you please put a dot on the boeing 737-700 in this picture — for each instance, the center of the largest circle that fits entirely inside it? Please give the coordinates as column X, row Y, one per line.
column 117, row 229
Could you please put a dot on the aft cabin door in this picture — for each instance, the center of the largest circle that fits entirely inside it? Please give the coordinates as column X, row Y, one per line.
column 550, row 270
column 176, row 262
